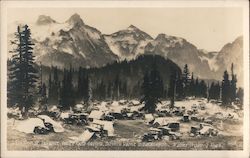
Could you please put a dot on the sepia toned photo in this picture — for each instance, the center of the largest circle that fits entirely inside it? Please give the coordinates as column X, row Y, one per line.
column 88, row 77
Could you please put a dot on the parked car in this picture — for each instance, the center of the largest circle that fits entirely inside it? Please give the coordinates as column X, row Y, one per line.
column 76, row 119
column 174, row 126
column 153, row 134
column 185, row 118
column 202, row 106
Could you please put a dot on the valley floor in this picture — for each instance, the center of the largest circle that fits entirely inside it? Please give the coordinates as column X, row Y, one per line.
column 129, row 134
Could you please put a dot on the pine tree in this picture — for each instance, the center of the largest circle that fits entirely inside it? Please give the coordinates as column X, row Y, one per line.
column 240, row 95
column 186, row 80
column 233, row 84
column 23, row 74
column 117, row 86
column 197, row 88
column 225, row 89
column 211, row 92
column 179, row 90
column 192, row 85
column 203, row 89
column 43, row 99
column 172, row 88
column 152, row 88
column 217, row 91
column 214, row 91
column 67, row 97
column 53, row 96
column 42, row 94
column 89, row 95
column 81, row 86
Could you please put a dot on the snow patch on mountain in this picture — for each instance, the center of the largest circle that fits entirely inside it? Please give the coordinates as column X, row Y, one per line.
column 128, row 43
column 210, row 58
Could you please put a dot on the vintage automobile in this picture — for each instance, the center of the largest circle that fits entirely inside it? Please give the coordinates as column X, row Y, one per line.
column 109, row 118
column 44, row 130
column 202, row 106
column 185, row 118
column 76, row 119
column 208, row 121
column 197, row 118
column 174, row 126
column 40, row 130
column 165, row 131
column 204, row 130
column 153, row 134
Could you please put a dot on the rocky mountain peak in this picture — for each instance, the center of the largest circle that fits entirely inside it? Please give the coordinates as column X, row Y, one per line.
column 132, row 28
column 44, row 20
column 75, row 20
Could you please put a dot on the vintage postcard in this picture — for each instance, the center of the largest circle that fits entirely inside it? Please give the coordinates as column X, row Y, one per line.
column 124, row 79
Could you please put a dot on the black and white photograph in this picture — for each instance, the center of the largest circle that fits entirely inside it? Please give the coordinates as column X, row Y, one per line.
column 124, row 77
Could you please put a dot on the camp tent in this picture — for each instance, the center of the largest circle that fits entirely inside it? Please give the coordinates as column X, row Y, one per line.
column 160, row 121
column 84, row 137
column 64, row 115
column 57, row 126
column 95, row 114
column 107, row 125
column 27, row 126
column 135, row 102
column 149, row 118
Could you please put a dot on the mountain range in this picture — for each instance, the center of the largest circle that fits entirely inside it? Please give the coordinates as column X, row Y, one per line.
column 74, row 43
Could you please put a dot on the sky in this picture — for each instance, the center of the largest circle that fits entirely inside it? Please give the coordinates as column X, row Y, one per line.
column 206, row 28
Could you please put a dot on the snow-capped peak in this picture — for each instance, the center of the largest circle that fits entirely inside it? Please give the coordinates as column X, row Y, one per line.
column 75, row 20
column 170, row 41
column 43, row 20
column 132, row 28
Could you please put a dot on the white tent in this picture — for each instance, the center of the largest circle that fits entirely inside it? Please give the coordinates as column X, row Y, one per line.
column 27, row 126
column 84, row 137
column 79, row 107
column 161, row 121
column 57, row 126
column 117, row 109
column 95, row 114
column 64, row 115
column 115, row 103
column 107, row 125
column 135, row 102
column 149, row 118
column 53, row 108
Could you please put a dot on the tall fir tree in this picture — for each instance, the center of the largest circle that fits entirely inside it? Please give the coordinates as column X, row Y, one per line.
column 225, row 94
column 233, row 84
column 152, row 88
column 172, row 88
column 67, row 96
column 240, row 95
column 192, row 85
column 186, row 80
column 23, row 74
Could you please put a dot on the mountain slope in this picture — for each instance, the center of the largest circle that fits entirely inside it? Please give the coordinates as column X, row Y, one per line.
column 71, row 43
column 223, row 59
column 128, row 43
column 232, row 53
column 179, row 51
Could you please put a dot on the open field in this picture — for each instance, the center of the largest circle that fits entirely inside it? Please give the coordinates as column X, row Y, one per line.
column 129, row 134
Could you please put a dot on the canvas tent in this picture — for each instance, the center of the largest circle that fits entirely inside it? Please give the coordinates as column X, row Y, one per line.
column 149, row 118
column 57, row 126
column 160, row 121
column 28, row 126
column 84, row 137
column 95, row 114
column 64, row 115
column 107, row 125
